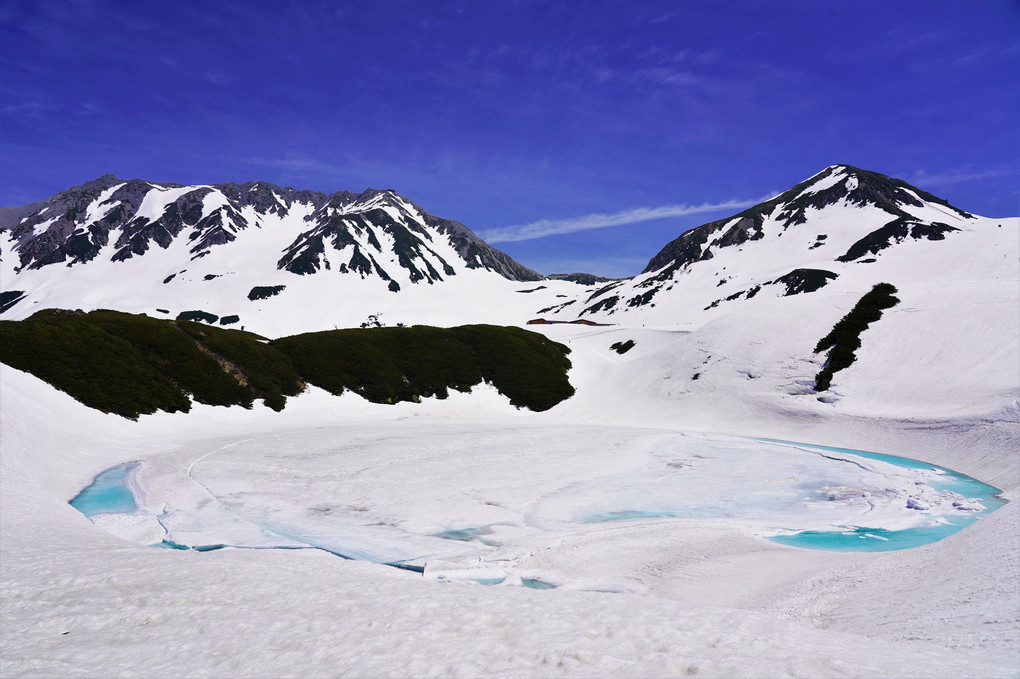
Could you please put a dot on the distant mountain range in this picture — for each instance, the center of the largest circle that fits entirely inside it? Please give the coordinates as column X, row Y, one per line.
column 144, row 246
column 280, row 260
column 114, row 220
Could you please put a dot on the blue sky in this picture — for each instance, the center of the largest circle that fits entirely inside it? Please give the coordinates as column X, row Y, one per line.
column 599, row 130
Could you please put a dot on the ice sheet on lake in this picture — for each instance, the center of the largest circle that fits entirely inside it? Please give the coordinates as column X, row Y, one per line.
column 488, row 501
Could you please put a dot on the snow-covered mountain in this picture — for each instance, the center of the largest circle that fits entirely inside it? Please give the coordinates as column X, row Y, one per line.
column 224, row 249
column 749, row 299
column 76, row 226
column 838, row 223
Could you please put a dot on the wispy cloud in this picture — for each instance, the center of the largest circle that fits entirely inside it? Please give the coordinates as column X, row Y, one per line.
column 958, row 176
column 297, row 165
column 29, row 109
column 88, row 108
column 551, row 227
column 219, row 78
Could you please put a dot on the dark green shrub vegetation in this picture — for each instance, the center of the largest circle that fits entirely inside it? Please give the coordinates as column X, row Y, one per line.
column 801, row 281
column 387, row 365
column 264, row 291
column 95, row 366
column 162, row 345
column 197, row 316
column 10, row 298
column 230, row 320
column 844, row 339
column 133, row 365
column 895, row 231
column 644, row 298
column 527, row 367
column 267, row 371
column 602, row 305
column 622, row 347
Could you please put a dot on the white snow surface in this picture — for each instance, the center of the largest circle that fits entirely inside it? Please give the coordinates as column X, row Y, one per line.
column 703, row 596
column 158, row 198
column 100, row 206
column 42, row 227
column 838, row 175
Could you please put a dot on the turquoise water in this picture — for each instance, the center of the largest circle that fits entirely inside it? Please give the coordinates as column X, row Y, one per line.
column 108, row 493
column 463, row 534
column 470, row 533
column 628, row 514
column 870, row 539
column 530, row 583
column 863, row 539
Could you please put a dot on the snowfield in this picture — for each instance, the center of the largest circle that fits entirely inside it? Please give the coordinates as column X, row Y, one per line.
column 655, row 597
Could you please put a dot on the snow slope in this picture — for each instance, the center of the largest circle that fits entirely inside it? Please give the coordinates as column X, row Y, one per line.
column 681, row 596
column 950, row 346
column 276, row 261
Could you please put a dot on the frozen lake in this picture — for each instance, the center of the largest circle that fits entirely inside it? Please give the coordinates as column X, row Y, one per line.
column 474, row 503
column 108, row 493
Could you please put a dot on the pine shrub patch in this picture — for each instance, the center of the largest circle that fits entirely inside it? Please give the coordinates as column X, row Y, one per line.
column 387, row 365
column 132, row 365
column 844, row 339
column 622, row 347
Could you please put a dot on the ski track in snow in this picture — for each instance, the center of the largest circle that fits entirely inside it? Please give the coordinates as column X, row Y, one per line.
column 191, row 466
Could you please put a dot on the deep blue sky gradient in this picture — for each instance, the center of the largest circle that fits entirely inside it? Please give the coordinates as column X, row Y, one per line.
column 500, row 114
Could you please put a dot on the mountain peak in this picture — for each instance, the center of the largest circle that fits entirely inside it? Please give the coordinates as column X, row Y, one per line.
column 836, row 187
column 843, row 223
column 838, row 183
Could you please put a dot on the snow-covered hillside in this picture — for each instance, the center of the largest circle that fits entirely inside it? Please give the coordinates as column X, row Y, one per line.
column 843, row 223
column 275, row 260
column 757, row 291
